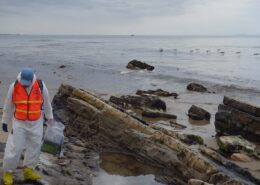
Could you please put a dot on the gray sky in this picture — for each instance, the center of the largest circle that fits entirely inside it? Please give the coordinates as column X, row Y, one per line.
column 171, row 17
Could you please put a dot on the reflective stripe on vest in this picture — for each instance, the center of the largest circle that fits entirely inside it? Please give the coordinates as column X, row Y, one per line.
column 25, row 101
column 27, row 106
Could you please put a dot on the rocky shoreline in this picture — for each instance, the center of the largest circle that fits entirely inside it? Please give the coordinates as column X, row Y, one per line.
column 238, row 118
column 138, row 126
column 93, row 119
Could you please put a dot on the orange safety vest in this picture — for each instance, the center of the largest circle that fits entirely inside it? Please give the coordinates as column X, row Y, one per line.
column 27, row 106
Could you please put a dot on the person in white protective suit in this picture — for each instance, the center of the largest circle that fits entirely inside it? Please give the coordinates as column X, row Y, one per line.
column 26, row 104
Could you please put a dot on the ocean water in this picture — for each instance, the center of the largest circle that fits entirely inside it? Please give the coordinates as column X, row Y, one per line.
column 98, row 62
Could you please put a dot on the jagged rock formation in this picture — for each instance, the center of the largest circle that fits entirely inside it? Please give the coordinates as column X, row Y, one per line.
column 138, row 102
column 238, row 118
column 136, row 64
column 112, row 130
column 157, row 92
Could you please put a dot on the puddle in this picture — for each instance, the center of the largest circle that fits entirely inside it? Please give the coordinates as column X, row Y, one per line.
column 105, row 178
column 121, row 169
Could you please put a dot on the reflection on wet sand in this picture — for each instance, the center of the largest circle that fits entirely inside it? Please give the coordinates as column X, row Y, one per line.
column 121, row 169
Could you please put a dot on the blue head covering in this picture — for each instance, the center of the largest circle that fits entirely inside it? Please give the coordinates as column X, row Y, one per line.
column 26, row 76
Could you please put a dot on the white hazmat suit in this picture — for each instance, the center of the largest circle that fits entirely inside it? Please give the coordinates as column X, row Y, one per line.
column 27, row 135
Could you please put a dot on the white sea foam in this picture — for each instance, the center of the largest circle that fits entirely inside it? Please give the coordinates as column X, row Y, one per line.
column 125, row 72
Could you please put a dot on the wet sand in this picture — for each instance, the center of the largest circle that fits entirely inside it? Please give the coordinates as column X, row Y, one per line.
column 124, row 169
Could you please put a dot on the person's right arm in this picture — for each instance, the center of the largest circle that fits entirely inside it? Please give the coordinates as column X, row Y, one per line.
column 8, row 110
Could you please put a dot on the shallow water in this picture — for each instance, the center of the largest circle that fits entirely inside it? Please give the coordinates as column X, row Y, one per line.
column 105, row 178
column 120, row 169
column 183, row 58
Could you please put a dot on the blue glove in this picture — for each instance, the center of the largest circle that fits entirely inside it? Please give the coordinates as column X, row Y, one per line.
column 4, row 127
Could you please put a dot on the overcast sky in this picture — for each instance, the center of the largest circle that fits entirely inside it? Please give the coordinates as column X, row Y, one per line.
column 149, row 17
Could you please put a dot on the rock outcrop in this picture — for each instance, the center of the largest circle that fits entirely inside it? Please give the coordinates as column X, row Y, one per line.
column 93, row 119
column 196, row 87
column 136, row 64
column 238, row 118
column 189, row 139
column 222, row 178
column 138, row 102
column 197, row 182
column 151, row 114
column 233, row 144
column 157, row 92
column 198, row 113
column 242, row 106
column 240, row 157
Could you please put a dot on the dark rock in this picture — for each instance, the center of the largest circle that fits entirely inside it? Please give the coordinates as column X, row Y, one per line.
column 238, row 118
column 218, row 178
column 177, row 125
column 198, row 113
column 242, row 106
column 59, row 100
column 128, row 101
column 151, row 114
column 136, row 64
column 62, row 66
column 138, row 102
column 192, row 139
column 158, row 92
column 82, row 108
column 158, row 104
column 196, row 87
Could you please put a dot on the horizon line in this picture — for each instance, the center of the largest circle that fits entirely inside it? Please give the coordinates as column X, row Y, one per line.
column 179, row 35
